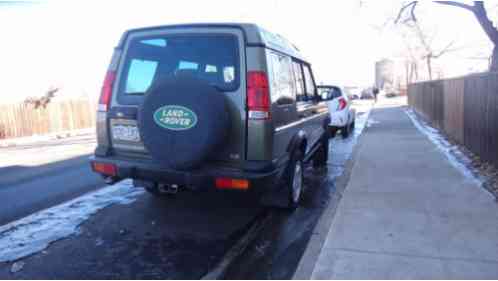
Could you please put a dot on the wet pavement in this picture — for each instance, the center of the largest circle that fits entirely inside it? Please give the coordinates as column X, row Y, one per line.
column 151, row 238
column 182, row 237
column 277, row 250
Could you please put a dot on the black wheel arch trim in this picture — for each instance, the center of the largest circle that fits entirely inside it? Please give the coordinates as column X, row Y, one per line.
column 298, row 141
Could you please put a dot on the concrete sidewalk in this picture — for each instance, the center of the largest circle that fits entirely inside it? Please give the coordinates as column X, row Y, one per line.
column 407, row 213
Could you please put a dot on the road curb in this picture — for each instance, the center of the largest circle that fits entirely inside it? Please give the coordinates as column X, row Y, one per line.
column 313, row 249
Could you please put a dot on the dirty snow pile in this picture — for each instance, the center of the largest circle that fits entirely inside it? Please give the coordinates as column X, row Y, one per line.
column 34, row 233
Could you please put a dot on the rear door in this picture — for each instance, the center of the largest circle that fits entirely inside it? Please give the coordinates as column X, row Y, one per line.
column 312, row 111
column 283, row 99
column 212, row 54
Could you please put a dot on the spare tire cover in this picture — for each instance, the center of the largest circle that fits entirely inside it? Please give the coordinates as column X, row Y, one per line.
column 182, row 121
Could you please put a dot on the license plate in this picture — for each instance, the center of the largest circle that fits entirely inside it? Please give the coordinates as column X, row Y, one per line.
column 125, row 133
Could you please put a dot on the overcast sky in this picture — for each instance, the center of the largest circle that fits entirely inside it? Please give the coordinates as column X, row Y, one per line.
column 69, row 43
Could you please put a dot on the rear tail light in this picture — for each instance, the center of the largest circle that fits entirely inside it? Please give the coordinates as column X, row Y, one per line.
column 342, row 103
column 105, row 169
column 106, row 93
column 258, row 95
column 228, row 183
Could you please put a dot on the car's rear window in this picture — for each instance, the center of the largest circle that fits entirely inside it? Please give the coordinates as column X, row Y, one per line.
column 213, row 58
column 329, row 92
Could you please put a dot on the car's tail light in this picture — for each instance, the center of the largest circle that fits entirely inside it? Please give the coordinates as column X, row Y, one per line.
column 106, row 93
column 258, row 95
column 105, row 169
column 228, row 183
column 342, row 103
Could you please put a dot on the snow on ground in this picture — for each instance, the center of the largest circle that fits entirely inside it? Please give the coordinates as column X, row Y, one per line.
column 34, row 233
column 454, row 155
column 48, row 151
column 47, row 137
column 341, row 149
column 362, row 120
column 371, row 122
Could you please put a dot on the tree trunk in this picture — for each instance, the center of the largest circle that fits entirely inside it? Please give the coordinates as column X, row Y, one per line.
column 480, row 13
column 494, row 60
column 415, row 71
column 429, row 67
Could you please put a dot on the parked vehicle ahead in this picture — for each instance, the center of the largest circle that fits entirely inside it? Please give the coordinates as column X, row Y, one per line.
column 353, row 94
column 367, row 94
column 342, row 115
column 210, row 107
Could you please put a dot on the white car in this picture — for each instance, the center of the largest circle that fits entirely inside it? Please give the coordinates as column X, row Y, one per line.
column 342, row 115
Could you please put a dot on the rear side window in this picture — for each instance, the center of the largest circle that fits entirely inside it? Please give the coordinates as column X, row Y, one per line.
column 336, row 93
column 281, row 79
column 329, row 92
column 310, row 84
column 299, row 81
column 213, row 58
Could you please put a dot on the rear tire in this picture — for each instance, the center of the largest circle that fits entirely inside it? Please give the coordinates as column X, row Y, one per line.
column 322, row 154
column 345, row 131
column 332, row 132
column 293, row 180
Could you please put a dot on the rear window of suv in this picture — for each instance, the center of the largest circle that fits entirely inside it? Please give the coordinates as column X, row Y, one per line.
column 212, row 58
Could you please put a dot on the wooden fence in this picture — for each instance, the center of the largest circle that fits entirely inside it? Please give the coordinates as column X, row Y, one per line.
column 465, row 108
column 21, row 120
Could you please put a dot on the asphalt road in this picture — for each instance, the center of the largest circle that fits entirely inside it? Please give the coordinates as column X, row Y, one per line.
column 40, row 175
column 182, row 237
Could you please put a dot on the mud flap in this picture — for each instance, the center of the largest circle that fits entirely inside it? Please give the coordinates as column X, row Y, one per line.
column 276, row 196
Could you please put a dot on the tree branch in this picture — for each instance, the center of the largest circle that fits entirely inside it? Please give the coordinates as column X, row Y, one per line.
column 485, row 22
column 445, row 50
column 457, row 4
column 411, row 5
column 479, row 12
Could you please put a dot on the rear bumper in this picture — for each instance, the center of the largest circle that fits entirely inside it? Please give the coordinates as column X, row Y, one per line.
column 199, row 179
column 339, row 119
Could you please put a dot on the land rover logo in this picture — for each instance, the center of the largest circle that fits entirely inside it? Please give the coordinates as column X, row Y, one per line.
column 175, row 117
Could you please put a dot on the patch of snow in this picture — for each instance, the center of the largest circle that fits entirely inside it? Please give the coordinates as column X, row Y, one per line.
column 35, row 232
column 17, row 266
column 46, row 137
column 456, row 157
column 361, row 122
column 341, row 149
column 371, row 122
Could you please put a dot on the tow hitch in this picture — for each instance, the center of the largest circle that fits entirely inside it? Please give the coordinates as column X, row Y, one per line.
column 167, row 188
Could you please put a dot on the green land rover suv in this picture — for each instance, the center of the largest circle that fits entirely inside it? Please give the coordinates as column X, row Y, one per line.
column 210, row 107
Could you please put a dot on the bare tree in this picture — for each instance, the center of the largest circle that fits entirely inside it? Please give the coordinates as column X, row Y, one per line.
column 428, row 52
column 44, row 100
column 477, row 9
column 411, row 62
